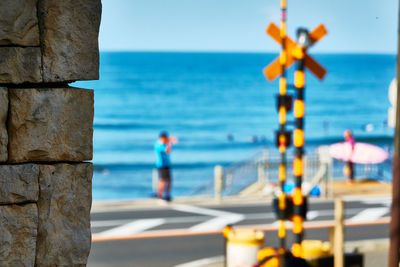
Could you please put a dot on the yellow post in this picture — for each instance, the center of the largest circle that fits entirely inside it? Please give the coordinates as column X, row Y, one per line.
column 242, row 246
column 155, row 181
column 338, row 250
column 298, row 164
column 218, row 182
column 282, row 143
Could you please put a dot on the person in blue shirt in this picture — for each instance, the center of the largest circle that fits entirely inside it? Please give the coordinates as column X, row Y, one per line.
column 163, row 149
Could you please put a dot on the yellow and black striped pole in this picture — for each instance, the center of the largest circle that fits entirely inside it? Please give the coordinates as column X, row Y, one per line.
column 282, row 142
column 293, row 208
column 298, row 141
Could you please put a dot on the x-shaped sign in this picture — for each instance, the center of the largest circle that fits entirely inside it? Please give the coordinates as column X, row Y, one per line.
column 274, row 69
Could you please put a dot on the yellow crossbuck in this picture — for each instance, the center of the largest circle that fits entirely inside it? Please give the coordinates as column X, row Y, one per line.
column 274, row 69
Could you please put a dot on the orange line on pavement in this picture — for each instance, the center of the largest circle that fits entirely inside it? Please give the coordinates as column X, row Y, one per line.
column 154, row 234
column 266, row 228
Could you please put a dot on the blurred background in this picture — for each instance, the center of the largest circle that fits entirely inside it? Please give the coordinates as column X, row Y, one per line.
column 194, row 69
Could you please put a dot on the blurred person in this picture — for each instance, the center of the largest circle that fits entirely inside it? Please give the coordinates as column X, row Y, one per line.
column 253, row 139
column 326, row 126
column 163, row 147
column 349, row 167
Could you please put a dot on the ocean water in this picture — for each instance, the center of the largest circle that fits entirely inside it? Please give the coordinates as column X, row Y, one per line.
column 203, row 97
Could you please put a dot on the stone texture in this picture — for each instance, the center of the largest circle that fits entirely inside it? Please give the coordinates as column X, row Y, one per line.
column 3, row 126
column 65, row 199
column 19, row 23
column 50, row 125
column 70, row 39
column 20, row 65
column 19, row 183
column 18, row 235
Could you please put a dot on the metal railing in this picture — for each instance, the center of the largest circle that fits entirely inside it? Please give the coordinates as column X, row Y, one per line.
column 241, row 174
column 263, row 167
column 381, row 172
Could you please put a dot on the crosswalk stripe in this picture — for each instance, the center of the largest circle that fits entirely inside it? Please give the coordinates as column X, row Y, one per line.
column 203, row 211
column 214, row 220
column 217, row 223
column 109, row 223
column 311, row 215
column 384, row 201
column 222, row 218
column 132, row 227
column 370, row 214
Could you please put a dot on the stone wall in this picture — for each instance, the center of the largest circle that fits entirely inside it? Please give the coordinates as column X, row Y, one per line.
column 46, row 130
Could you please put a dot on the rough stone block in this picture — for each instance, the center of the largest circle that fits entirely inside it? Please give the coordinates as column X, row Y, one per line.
column 20, row 65
column 19, row 183
column 65, row 199
column 50, row 125
column 3, row 126
column 18, row 235
column 19, row 23
column 70, row 39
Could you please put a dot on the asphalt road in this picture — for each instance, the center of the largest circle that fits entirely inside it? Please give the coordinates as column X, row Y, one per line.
column 174, row 250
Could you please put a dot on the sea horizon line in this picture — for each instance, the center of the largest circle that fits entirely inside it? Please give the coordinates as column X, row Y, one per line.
column 244, row 52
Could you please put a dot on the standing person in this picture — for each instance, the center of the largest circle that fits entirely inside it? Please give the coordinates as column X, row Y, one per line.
column 349, row 167
column 163, row 148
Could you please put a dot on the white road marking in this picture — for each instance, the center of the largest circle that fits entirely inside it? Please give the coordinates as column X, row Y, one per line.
column 370, row 214
column 277, row 224
column 202, row 262
column 222, row 219
column 260, row 216
column 108, row 223
column 311, row 215
column 132, row 227
column 199, row 210
column 194, row 219
column 387, row 201
column 217, row 223
column 185, row 219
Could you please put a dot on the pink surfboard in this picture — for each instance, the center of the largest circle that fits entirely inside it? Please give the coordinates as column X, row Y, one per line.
column 363, row 153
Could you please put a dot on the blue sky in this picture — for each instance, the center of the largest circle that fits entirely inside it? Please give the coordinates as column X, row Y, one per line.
column 363, row 26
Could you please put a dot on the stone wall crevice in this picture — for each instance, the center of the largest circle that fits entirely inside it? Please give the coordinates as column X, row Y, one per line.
column 21, row 46
column 40, row 10
column 4, row 115
column 36, row 85
column 20, row 203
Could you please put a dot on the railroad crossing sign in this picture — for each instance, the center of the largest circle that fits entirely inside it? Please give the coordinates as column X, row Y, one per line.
column 292, row 50
column 292, row 207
